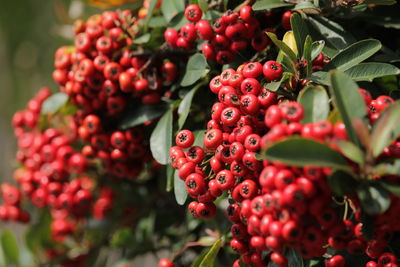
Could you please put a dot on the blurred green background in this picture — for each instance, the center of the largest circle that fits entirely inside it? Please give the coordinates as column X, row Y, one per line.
column 30, row 32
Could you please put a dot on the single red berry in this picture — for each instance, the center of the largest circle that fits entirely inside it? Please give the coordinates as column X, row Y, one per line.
column 252, row 70
column 184, row 138
column 286, row 20
column 335, row 261
column 272, row 71
column 193, row 13
column 165, row 263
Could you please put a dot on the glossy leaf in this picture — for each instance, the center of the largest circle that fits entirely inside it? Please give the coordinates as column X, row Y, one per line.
column 300, row 32
column 388, row 168
column 171, row 8
column 198, row 137
column 354, row 54
column 315, row 102
column 307, row 7
column 386, row 129
column 179, row 189
column 307, row 54
column 283, row 47
column 320, row 77
column 317, row 49
column 54, row 103
column 150, row 12
column 203, row 5
column 196, row 68
column 334, row 35
column 269, row 4
column 170, row 177
column 342, row 183
column 209, row 258
column 370, row 71
column 380, row 2
column 348, row 101
column 294, row 258
column 351, row 151
column 161, row 138
column 391, row 187
column 9, row 246
column 199, row 258
column 141, row 114
column 178, row 21
column 374, row 199
column 184, row 106
column 299, row 151
column 142, row 39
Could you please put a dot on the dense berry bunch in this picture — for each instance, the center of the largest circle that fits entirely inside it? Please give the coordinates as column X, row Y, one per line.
column 54, row 174
column 104, row 79
column 231, row 34
column 276, row 207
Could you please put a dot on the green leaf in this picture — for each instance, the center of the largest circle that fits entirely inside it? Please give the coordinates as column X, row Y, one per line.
column 122, row 238
column 209, row 258
column 307, row 54
column 372, row 70
column 335, row 37
column 300, row 32
column 171, row 8
column 199, row 258
column 308, row 7
column 207, row 241
column 198, row 137
column 38, row 234
column 391, row 187
column 380, row 2
column 351, row 151
column 170, row 178
column 184, row 106
column 54, row 103
column 317, row 49
column 269, row 4
column 140, row 115
column 179, row 189
column 157, row 21
column 196, row 68
column 203, row 5
column 10, row 247
column 315, row 102
column 348, row 101
column 161, row 138
column 283, row 47
column 342, row 183
column 374, row 199
column 299, row 151
column 150, row 12
column 142, row 39
column 320, row 77
column 177, row 21
column 294, row 258
column 388, row 168
column 354, row 54
column 386, row 129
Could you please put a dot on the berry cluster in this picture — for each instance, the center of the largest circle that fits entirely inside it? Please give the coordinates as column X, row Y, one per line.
column 276, row 207
column 233, row 33
column 104, row 80
column 49, row 161
column 98, row 74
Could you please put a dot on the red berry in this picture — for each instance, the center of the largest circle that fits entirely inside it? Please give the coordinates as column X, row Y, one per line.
column 184, row 139
column 193, row 13
column 272, row 71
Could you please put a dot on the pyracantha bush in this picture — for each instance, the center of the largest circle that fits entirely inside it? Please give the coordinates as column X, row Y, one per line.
column 288, row 161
